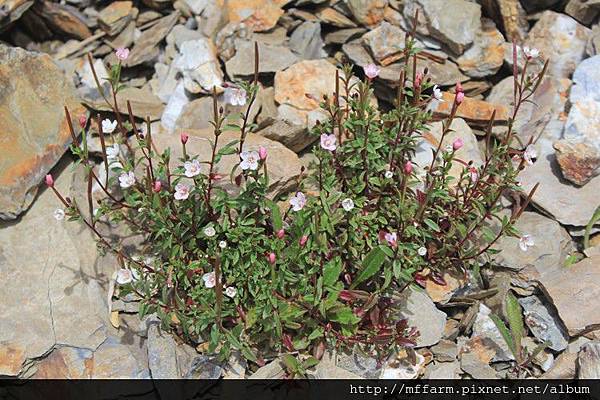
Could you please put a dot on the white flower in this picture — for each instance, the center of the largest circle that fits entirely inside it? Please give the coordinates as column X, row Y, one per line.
column 209, row 231
column 529, row 155
column 222, row 244
column 127, row 179
column 210, row 280
column 525, row 242
column 235, row 96
column 59, row 214
column 249, row 160
column 328, row 142
column 474, row 174
column 389, row 174
column 437, row 94
column 422, row 251
column 124, row 276
column 112, row 152
column 531, row 52
column 298, row 201
column 347, row 204
column 192, row 168
column 230, row 292
column 108, row 126
column 182, row 191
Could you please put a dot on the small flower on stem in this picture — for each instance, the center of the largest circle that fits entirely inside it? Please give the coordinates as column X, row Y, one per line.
column 234, row 96
column 460, row 96
column 457, row 144
column 124, row 276
column 262, row 153
column 157, row 186
column 271, row 258
column 49, row 180
column 298, row 201
column 530, row 155
column 303, row 240
column 223, row 244
column 59, row 214
column 210, row 280
column 437, row 94
column 230, row 292
column 82, row 121
column 108, row 126
column 182, row 191
column 280, row 234
column 473, row 174
column 347, row 204
column 422, row 251
column 184, row 137
column 391, row 238
column 525, row 242
column 249, row 160
column 371, row 71
column 408, row 167
column 389, row 174
column 418, row 79
column 328, row 142
column 209, row 231
column 112, row 152
column 192, row 168
column 458, row 88
column 531, row 53
column 127, row 179
column 122, row 53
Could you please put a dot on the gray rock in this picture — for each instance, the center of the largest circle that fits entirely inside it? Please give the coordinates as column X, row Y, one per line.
column 180, row 34
column 306, row 41
column 445, row 351
column 146, row 46
column 582, row 11
column 368, row 12
column 199, row 66
column 272, row 370
column 327, row 369
column 273, row 58
column 177, row 102
column 443, row 370
column 358, row 363
column 420, row 311
column 544, row 323
column 477, row 369
column 486, row 55
column 453, row 22
column 586, row 81
column 384, row 42
column 204, row 367
column 588, row 361
column 162, row 354
column 485, row 329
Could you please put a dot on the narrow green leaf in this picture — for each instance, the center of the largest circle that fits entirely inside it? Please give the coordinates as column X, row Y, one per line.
column 371, row 265
column 505, row 333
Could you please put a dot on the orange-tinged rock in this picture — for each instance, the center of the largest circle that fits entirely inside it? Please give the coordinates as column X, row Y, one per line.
column 11, row 359
column 34, row 131
column 476, row 112
column 260, row 15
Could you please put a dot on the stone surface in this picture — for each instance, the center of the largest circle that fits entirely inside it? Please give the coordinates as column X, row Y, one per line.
column 575, row 288
column 453, row 22
column 63, row 19
column 115, row 16
column 444, row 370
column 579, row 162
column 586, row 81
column 273, row 58
column 486, row 55
column 582, row 11
column 477, row 369
column 177, row 103
column 358, row 363
column 143, row 102
column 331, row 16
column 272, row 370
column 588, row 361
column 385, row 42
column 259, row 15
column 445, row 351
column 367, row 12
column 162, row 356
column 513, row 19
column 476, row 112
column 199, row 66
column 544, row 323
column 306, row 41
column 34, row 131
column 283, row 165
column 561, row 39
column 421, row 313
column 488, row 335
column 146, row 45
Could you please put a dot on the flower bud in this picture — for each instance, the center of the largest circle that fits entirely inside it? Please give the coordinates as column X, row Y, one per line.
column 457, row 144
column 458, row 89
column 271, row 258
column 303, row 241
column 408, row 167
column 184, row 138
column 280, row 234
column 460, row 96
column 157, row 186
column 418, row 80
column 82, row 121
column 262, row 153
column 49, row 180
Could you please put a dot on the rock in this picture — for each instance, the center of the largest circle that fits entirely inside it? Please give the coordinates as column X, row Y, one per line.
column 563, row 367
column 203, row 367
column 575, row 288
column 445, row 351
column 588, row 361
column 552, row 245
column 544, row 359
column 421, row 313
column 199, row 66
column 592, row 47
column 485, row 330
column 544, row 323
column 284, row 165
column 477, row 369
column 295, row 137
column 327, row 369
column 476, row 112
column 162, row 356
column 34, row 129
column 164, row 82
column 561, row 39
column 177, row 103
column 509, row 14
column 272, row 370
column 180, row 34
column 443, row 293
column 259, row 15
column 306, row 41
column 61, row 271
column 236, row 367
column 227, row 38
column 342, row 36
column 143, row 102
column 358, row 363
column 579, row 162
column 367, row 12
column 586, row 81
column 536, row 5
column 444, row 370
column 486, row 55
column 62, row 19
column 273, row 58
column 12, row 11
column 386, row 42
column 400, row 367
column 582, row 11
column 453, row 22
column 146, row 45
column 331, row 16
column 115, row 17
column 196, row 114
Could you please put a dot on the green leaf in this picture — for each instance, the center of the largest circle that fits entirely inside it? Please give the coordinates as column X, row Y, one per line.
column 275, row 215
column 505, row 333
column 432, row 224
column 588, row 229
column 331, row 272
column 371, row 265
column 515, row 320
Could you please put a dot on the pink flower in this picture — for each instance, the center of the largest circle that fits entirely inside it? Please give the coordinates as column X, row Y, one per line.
column 157, row 186
column 391, row 238
column 82, row 121
column 280, row 234
column 122, row 53
column 371, row 71
column 457, row 144
column 529, row 155
column 184, row 137
column 328, row 142
column 298, row 201
column 249, row 160
column 460, row 96
column 303, row 240
column 262, row 153
column 418, row 79
column 230, row 292
column 127, row 179
column 210, row 280
column 271, row 258
column 408, row 167
column 182, row 191
column 192, row 168
column 459, row 88
column 49, row 180
column 531, row 52
column 234, row 96
column 474, row 174
column 525, row 242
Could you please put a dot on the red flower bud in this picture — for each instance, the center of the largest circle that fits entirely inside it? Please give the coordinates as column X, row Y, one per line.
column 271, row 258
column 280, row 234
column 457, row 144
column 460, row 96
column 184, row 138
column 82, row 121
column 303, row 241
column 459, row 88
column 408, row 167
column 262, row 153
column 49, row 180
column 157, row 186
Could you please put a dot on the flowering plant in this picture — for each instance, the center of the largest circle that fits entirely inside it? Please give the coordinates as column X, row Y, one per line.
column 239, row 271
